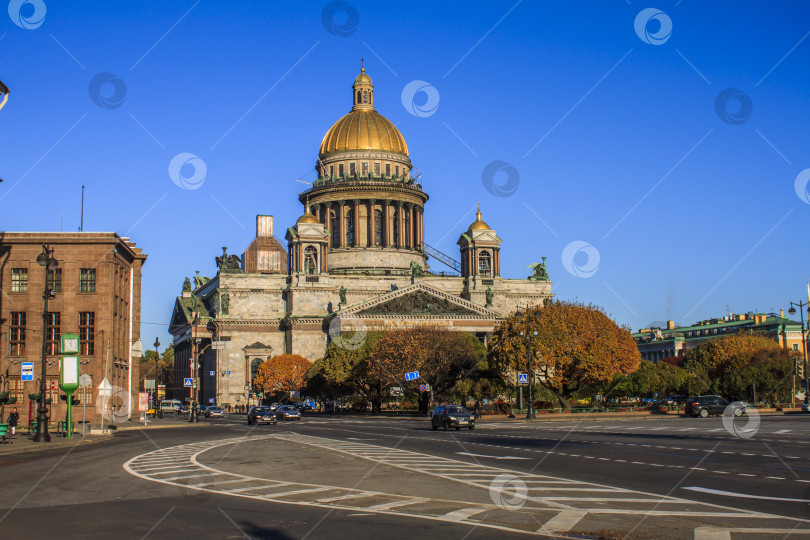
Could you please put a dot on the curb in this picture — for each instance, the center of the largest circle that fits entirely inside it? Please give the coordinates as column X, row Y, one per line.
column 35, row 447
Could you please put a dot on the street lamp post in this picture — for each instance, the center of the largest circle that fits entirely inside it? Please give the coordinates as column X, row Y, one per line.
column 46, row 260
column 158, row 411
column 530, row 375
column 792, row 311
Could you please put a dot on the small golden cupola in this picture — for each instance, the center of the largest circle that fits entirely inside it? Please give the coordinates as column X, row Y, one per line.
column 307, row 217
column 363, row 90
column 479, row 224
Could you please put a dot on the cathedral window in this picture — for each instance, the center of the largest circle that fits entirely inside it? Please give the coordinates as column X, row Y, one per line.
column 365, row 168
column 485, row 263
column 349, row 213
column 359, row 96
column 351, row 169
column 340, row 170
column 387, row 169
column 310, row 260
column 397, row 170
column 334, row 226
column 254, row 369
column 378, row 227
column 376, row 169
column 331, row 171
column 365, row 96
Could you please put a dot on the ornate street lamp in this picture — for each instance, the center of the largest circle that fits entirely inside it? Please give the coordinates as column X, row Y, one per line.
column 46, row 260
column 792, row 311
column 158, row 411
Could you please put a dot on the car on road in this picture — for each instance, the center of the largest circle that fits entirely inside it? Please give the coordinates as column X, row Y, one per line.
column 261, row 414
column 170, row 405
column 451, row 416
column 288, row 412
column 704, row 406
column 183, row 409
column 212, row 411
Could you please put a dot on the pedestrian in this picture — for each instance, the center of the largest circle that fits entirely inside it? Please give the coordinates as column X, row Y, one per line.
column 13, row 418
column 477, row 408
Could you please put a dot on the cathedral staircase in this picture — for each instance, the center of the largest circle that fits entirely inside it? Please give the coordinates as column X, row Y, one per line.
column 442, row 257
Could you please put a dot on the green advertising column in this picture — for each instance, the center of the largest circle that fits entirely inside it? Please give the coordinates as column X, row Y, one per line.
column 69, row 375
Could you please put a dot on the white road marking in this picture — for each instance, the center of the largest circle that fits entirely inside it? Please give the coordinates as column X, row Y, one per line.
column 563, row 522
column 491, row 457
column 462, row 514
column 743, row 495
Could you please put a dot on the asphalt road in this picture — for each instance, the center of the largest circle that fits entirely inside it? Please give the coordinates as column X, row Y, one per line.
column 352, row 477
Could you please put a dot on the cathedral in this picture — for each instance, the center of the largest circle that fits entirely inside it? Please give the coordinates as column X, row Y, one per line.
column 355, row 260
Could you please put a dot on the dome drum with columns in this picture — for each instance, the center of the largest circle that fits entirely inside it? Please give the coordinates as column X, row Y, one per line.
column 357, row 254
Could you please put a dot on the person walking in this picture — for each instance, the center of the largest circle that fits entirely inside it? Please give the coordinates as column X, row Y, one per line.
column 13, row 418
column 477, row 408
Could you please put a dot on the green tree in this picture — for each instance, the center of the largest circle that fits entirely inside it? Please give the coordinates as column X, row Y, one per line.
column 165, row 366
column 575, row 346
column 343, row 367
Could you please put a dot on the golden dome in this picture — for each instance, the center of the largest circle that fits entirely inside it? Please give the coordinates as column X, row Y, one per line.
column 307, row 217
column 479, row 224
column 363, row 129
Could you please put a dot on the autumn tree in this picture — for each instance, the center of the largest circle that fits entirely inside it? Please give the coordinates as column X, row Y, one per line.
column 731, row 364
column 570, row 345
column 442, row 357
column 350, row 367
column 165, row 366
column 282, row 373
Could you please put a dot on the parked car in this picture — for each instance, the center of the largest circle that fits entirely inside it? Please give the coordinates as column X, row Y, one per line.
column 261, row 414
column 704, row 406
column 183, row 409
column 212, row 411
column 806, row 407
column 451, row 416
column 288, row 412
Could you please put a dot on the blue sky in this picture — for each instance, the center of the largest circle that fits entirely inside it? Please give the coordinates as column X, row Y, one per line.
column 669, row 208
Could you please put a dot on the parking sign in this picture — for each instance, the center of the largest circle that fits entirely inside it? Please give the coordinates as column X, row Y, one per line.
column 28, row 371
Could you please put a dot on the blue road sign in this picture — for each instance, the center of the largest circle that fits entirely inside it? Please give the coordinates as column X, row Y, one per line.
column 411, row 375
column 523, row 378
column 211, row 373
column 187, row 382
column 229, row 372
column 27, row 372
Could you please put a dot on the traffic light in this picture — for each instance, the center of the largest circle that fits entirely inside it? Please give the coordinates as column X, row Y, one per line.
column 799, row 368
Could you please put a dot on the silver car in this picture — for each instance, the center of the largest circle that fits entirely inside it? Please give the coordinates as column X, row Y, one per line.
column 288, row 412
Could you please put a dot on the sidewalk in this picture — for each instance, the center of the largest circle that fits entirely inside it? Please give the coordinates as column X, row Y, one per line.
column 22, row 443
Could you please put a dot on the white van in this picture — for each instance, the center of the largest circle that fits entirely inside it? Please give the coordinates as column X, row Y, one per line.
column 170, row 405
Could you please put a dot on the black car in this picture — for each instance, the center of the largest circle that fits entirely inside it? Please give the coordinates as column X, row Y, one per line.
column 261, row 414
column 451, row 416
column 704, row 406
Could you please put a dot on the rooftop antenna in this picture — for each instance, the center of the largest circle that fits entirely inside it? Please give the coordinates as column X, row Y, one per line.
column 81, row 223
column 418, row 175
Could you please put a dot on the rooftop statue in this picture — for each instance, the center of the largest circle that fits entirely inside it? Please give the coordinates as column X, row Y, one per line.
column 229, row 263
column 540, row 272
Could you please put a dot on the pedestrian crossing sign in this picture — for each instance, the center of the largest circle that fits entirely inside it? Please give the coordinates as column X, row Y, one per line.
column 187, row 382
column 523, row 378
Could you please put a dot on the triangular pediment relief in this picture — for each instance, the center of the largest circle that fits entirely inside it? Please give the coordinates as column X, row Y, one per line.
column 417, row 300
column 257, row 345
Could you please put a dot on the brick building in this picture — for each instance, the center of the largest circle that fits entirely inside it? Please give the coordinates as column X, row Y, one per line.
column 96, row 293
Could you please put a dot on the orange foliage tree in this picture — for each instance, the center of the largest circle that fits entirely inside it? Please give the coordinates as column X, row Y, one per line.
column 575, row 345
column 282, row 373
column 442, row 358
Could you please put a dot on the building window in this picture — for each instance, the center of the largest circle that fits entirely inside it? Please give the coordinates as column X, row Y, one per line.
column 365, row 168
column 331, row 171
column 795, row 345
column 485, row 263
column 87, row 279
column 55, row 280
column 352, row 169
column 334, row 226
column 254, row 369
column 387, row 169
column 365, row 96
column 340, row 169
column 395, row 225
column 87, row 333
column 359, row 96
column 17, row 341
column 397, row 170
column 378, row 227
column 310, row 260
column 376, row 169
column 54, row 321
column 349, row 216
column 19, row 280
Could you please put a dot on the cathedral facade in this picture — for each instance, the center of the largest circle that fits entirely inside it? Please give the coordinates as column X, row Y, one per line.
column 356, row 260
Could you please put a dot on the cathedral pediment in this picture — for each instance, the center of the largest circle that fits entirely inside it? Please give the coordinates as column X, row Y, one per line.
column 418, row 300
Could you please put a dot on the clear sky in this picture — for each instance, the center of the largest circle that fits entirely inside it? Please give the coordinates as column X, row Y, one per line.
column 652, row 156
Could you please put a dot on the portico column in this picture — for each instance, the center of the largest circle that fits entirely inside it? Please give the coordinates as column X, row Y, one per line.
column 400, row 225
column 342, row 228
column 407, row 225
column 357, row 222
column 328, row 221
column 386, row 208
column 372, row 218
